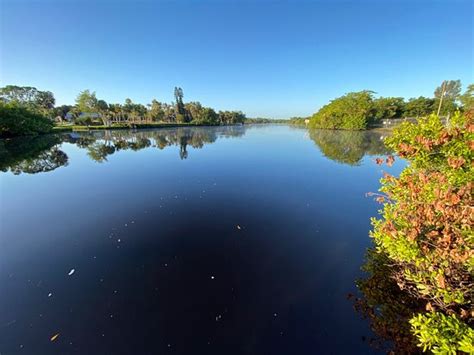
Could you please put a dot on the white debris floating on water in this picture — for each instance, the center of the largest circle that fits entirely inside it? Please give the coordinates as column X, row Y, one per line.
column 72, row 272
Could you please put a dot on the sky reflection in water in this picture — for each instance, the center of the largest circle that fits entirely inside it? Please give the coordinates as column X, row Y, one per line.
column 235, row 240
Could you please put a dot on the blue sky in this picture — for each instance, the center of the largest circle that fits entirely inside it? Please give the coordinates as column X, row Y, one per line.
column 266, row 58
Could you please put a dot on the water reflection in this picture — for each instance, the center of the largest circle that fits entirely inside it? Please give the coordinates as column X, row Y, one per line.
column 233, row 251
column 386, row 307
column 348, row 147
column 41, row 154
column 31, row 155
column 101, row 144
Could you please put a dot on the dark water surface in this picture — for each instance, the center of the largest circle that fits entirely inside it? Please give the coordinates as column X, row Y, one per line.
column 227, row 240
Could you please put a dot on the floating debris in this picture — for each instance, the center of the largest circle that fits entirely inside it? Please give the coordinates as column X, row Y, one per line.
column 274, row 314
column 9, row 323
column 239, row 227
column 212, row 277
column 72, row 272
column 54, row 337
column 50, row 294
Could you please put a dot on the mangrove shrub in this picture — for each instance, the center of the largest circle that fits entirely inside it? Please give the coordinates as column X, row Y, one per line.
column 353, row 111
column 426, row 229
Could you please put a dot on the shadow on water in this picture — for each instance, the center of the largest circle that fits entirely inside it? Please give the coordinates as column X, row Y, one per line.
column 348, row 147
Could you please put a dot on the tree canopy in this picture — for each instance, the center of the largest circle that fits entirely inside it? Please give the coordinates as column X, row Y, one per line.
column 18, row 120
column 353, row 111
column 29, row 97
column 359, row 110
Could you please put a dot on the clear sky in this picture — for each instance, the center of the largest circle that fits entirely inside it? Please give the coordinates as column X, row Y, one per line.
column 266, row 58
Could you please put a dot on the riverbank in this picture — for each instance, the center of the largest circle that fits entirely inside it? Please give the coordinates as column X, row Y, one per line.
column 71, row 128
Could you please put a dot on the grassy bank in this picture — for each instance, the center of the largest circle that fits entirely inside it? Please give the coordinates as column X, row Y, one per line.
column 71, row 128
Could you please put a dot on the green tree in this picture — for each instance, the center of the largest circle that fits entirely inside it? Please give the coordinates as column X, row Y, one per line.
column 194, row 110
column 446, row 95
column 353, row 111
column 231, row 117
column 30, row 97
column 156, row 111
column 388, row 107
column 467, row 99
column 45, row 100
column 103, row 110
column 418, row 107
column 208, row 116
column 181, row 115
column 133, row 111
column 450, row 89
column 16, row 120
column 24, row 95
column 86, row 102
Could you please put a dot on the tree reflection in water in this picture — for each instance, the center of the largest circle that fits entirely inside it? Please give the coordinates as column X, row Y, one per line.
column 42, row 153
column 386, row 307
column 348, row 147
column 31, row 155
column 382, row 303
column 101, row 144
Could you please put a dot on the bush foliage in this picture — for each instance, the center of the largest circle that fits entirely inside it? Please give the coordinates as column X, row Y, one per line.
column 18, row 120
column 426, row 229
column 353, row 111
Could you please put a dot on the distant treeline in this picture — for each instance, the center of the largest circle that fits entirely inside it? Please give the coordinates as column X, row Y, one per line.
column 259, row 120
column 360, row 110
column 299, row 121
column 27, row 110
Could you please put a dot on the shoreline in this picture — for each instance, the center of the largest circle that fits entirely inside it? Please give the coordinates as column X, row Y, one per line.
column 78, row 128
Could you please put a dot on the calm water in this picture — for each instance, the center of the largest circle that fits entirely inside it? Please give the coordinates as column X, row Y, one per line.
column 228, row 240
